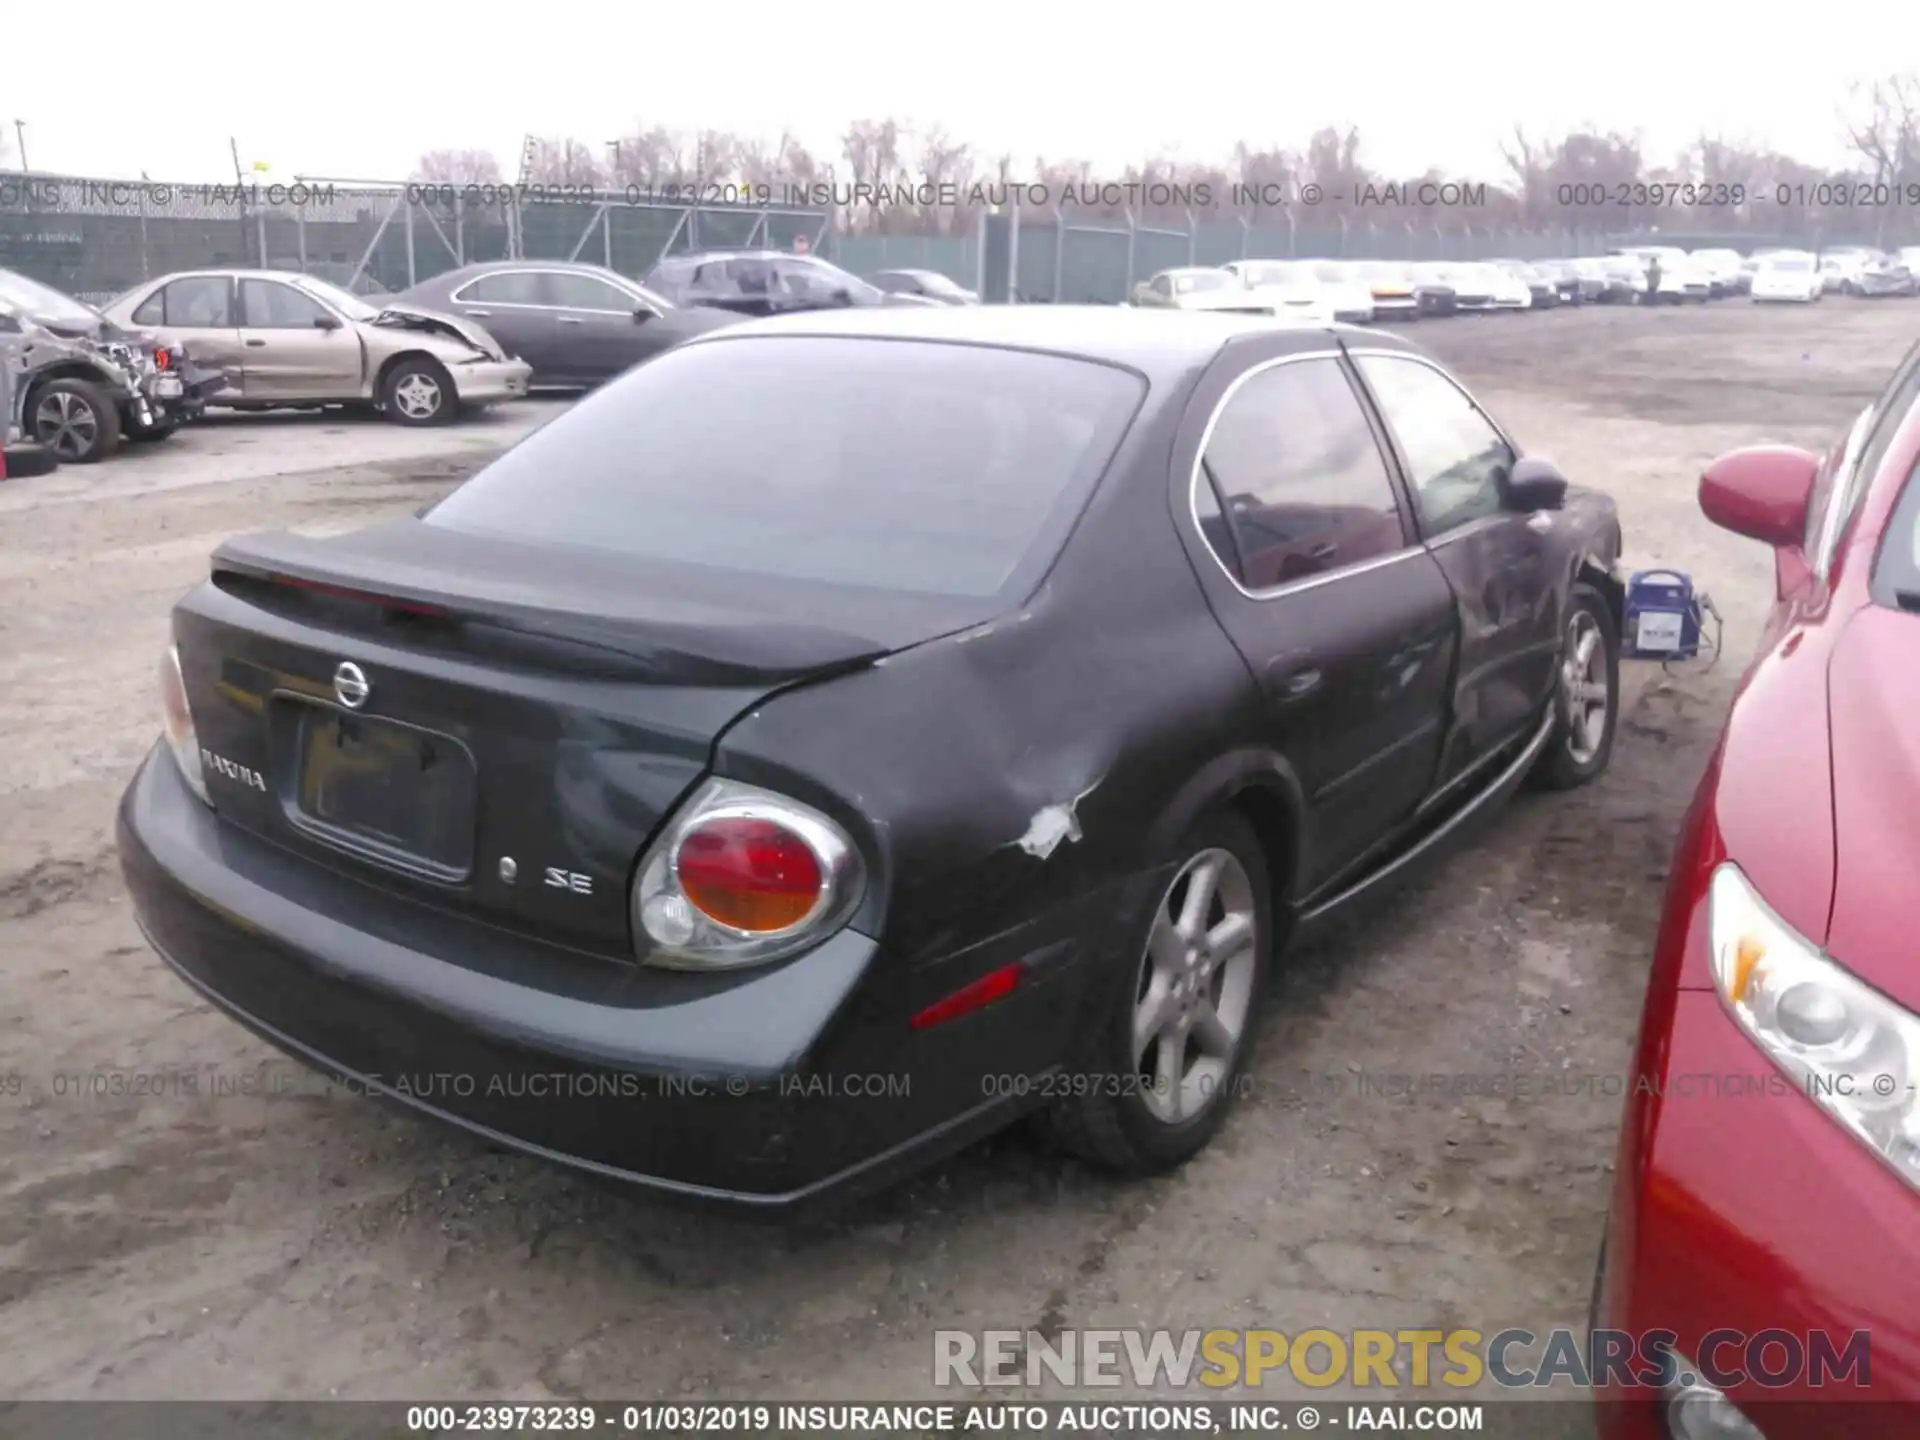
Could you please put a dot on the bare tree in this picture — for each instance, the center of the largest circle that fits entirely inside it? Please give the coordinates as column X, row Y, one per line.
column 650, row 159
column 1581, row 183
column 1333, row 164
column 1882, row 125
column 946, row 165
column 561, row 162
column 872, row 151
column 457, row 167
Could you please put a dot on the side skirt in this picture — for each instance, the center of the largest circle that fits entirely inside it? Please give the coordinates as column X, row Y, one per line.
column 1317, row 910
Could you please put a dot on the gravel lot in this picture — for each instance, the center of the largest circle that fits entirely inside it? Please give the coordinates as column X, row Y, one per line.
column 275, row 1240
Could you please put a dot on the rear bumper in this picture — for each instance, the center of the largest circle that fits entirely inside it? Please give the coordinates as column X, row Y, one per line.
column 490, row 380
column 759, row 1091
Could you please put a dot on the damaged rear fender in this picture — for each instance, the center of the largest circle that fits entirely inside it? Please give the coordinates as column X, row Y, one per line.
column 1262, row 787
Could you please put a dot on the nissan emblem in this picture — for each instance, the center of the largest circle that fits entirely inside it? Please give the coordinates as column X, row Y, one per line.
column 350, row 686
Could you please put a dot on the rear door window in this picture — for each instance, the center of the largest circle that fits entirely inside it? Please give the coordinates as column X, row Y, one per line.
column 883, row 464
column 198, row 302
column 508, row 287
column 1304, row 484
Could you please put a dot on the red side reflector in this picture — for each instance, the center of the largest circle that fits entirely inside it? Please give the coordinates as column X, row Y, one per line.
column 992, row 986
column 365, row 597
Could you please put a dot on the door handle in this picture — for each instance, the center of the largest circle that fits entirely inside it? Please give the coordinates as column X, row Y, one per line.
column 257, row 344
column 483, row 314
column 571, row 320
column 1325, row 550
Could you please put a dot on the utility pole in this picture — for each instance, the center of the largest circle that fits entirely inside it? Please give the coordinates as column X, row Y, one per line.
column 20, row 139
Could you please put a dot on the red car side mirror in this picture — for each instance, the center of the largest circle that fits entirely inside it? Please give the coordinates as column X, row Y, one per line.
column 1761, row 492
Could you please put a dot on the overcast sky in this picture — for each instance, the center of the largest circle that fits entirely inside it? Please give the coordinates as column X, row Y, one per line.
column 352, row 90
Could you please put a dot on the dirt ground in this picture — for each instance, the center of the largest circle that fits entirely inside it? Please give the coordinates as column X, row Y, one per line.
column 275, row 1240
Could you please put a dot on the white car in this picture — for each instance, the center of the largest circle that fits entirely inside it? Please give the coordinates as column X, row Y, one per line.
column 1787, row 275
column 1476, row 287
column 1510, row 291
column 1680, row 278
column 1197, row 287
column 1352, row 297
column 1840, row 269
column 1289, row 286
column 1684, row 278
column 1722, row 268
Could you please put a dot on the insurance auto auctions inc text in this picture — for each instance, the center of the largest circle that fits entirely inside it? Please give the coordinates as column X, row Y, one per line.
column 1088, row 194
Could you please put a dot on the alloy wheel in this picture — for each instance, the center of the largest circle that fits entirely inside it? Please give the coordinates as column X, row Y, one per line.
column 66, row 424
column 418, row 396
column 1583, row 687
column 1195, row 993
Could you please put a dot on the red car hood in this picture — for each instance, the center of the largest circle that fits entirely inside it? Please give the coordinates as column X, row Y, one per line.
column 1873, row 698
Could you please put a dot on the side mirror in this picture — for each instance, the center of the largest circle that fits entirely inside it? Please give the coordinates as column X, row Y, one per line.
column 1533, row 484
column 643, row 313
column 326, row 322
column 843, row 297
column 1761, row 492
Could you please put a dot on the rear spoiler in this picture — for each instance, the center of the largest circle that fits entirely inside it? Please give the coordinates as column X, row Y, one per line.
column 379, row 596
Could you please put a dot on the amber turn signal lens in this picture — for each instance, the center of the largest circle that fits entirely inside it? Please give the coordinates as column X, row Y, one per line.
column 752, row 875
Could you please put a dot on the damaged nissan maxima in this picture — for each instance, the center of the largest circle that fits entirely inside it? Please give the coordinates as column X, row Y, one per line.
column 850, row 732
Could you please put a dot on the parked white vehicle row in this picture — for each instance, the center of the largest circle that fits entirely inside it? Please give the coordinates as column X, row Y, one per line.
column 1358, row 291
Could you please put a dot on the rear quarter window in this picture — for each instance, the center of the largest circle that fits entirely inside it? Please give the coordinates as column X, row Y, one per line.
column 888, row 465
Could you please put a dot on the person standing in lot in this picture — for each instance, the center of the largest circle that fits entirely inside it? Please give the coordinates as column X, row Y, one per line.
column 1653, row 279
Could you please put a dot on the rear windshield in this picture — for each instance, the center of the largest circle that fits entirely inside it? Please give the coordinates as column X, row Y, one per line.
column 890, row 465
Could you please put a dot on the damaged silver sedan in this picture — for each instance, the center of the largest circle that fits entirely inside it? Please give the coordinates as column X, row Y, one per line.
column 78, row 384
column 290, row 340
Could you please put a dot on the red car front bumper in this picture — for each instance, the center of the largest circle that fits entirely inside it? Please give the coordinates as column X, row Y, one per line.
column 1740, row 1208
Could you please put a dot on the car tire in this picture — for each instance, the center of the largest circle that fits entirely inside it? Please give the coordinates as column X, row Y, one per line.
column 1136, row 1120
column 75, row 419
column 1586, row 695
column 418, row 391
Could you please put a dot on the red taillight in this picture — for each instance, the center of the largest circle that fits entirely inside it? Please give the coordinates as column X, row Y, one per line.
column 162, row 358
column 749, row 874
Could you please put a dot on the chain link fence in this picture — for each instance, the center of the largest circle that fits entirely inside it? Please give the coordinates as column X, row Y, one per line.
column 97, row 238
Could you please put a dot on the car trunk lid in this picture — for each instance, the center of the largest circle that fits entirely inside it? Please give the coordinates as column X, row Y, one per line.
column 518, row 721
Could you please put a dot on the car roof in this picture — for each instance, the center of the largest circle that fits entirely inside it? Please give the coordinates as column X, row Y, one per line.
column 250, row 272
column 1160, row 344
column 695, row 257
column 481, row 267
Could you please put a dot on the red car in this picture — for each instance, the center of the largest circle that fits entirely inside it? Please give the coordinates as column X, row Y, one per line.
column 1767, row 1196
